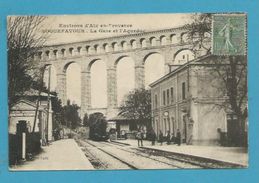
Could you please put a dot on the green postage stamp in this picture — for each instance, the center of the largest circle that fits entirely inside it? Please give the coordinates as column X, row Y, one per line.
column 229, row 34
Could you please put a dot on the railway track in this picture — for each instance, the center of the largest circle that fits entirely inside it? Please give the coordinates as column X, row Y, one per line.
column 132, row 157
column 186, row 160
column 131, row 166
column 168, row 164
column 114, row 156
column 177, row 163
column 119, row 144
column 96, row 162
column 196, row 161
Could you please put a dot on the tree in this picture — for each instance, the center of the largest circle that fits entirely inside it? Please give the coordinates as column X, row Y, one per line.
column 233, row 74
column 71, row 115
column 231, row 70
column 23, row 42
column 199, row 32
column 137, row 106
column 97, row 125
column 57, row 111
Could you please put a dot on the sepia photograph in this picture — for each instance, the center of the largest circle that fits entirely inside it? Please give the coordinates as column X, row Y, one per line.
column 127, row 91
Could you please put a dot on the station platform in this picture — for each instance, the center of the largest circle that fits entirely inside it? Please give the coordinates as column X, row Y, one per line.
column 63, row 154
column 235, row 155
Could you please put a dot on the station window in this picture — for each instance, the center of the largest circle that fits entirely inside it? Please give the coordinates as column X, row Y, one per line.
column 183, row 91
column 163, row 97
column 168, row 96
column 155, row 101
column 165, row 127
column 172, row 95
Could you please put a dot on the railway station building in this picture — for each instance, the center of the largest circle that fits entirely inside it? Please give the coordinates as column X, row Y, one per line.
column 193, row 99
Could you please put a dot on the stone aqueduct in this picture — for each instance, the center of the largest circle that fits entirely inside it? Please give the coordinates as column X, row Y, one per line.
column 167, row 42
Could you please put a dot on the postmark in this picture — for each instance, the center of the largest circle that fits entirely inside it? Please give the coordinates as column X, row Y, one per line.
column 229, row 34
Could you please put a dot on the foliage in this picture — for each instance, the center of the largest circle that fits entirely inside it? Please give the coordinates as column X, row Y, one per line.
column 71, row 115
column 33, row 147
column 97, row 124
column 234, row 77
column 57, row 112
column 23, row 41
column 199, row 31
column 137, row 106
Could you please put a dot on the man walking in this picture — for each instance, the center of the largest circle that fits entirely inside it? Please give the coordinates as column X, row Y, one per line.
column 139, row 136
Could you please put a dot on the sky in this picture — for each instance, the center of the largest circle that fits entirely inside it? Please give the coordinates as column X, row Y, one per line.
column 144, row 22
column 96, row 26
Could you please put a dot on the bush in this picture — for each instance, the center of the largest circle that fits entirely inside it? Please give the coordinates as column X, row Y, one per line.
column 33, row 143
column 13, row 149
column 33, row 147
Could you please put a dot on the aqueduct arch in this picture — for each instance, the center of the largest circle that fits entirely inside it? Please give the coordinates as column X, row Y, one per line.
column 166, row 42
column 73, row 81
column 151, row 60
column 125, row 76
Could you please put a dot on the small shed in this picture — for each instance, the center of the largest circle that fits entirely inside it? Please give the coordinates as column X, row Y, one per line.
column 24, row 110
column 125, row 128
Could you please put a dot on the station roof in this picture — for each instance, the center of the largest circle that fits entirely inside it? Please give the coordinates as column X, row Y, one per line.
column 33, row 92
column 119, row 117
column 192, row 62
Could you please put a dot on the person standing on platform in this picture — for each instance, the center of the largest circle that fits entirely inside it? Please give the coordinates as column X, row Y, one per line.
column 161, row 136
column 153, row 136
column 168, row 138
column 139, row 137
column 172, row 138
column 178, row 137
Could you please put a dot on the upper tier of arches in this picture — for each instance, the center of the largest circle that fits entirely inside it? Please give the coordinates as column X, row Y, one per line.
column 115, row 44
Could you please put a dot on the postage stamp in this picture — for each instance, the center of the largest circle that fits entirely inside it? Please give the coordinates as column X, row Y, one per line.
column 229, row 34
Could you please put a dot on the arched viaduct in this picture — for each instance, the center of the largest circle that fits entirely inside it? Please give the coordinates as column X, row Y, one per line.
column 167, row 42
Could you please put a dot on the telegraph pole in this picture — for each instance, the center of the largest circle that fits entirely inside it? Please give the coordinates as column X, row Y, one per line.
column 47, row 125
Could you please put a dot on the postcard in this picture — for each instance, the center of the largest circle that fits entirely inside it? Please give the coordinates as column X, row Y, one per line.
column 127, row 91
